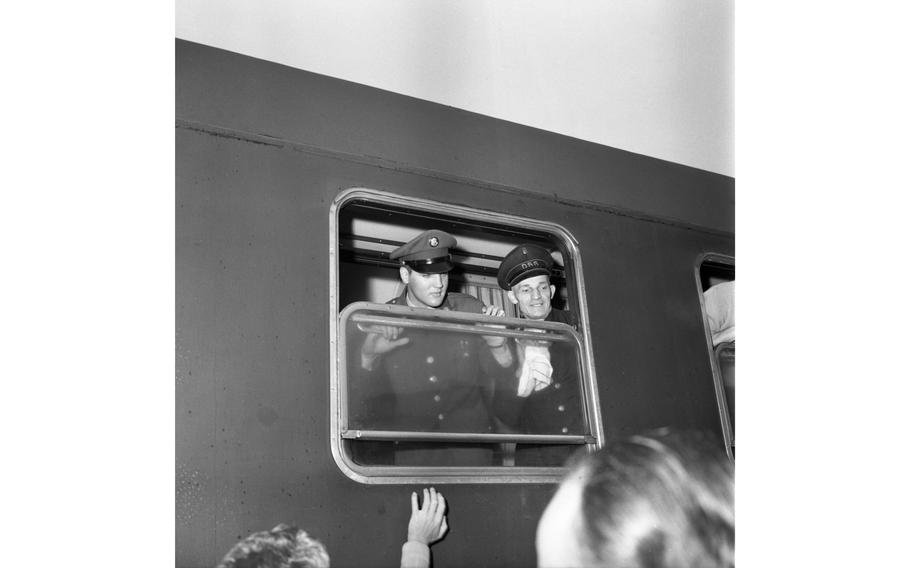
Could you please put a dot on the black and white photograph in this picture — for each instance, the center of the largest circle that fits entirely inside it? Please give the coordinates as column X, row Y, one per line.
column 452, row 283
column 455, row 253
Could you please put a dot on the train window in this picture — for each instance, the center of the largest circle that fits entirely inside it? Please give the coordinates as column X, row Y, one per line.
column 453, row 395
column 716, row 283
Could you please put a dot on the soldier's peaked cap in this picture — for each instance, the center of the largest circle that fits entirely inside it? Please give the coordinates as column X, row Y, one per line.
column 428, row 252
column 524, row 261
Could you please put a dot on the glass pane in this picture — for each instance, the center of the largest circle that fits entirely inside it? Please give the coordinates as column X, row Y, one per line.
column 726, row 360
column 422, row 370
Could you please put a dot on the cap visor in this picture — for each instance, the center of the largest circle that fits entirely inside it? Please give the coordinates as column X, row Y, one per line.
column 437, row 267
column 524, row 275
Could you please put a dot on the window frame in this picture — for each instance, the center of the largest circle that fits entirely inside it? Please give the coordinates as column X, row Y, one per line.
column 719, row 389
column 459, row 322
column 456, row 475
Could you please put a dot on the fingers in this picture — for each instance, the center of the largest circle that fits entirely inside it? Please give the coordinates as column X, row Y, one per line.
column 440, row 509
column 377, row 329
column 376, row 345
column 443, row 529
column 494, row 311
column 399, row 342
column 428, row 522
column 433, row 501
column 490, row 310
column 386, row 331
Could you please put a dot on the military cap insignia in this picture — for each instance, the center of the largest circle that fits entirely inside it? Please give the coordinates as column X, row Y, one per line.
column 428, row 252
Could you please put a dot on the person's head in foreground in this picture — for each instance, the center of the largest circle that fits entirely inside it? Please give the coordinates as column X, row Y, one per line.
column 282, row 547
column 662, row 500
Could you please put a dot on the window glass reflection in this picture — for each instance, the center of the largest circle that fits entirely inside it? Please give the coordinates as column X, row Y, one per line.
column 460, row 375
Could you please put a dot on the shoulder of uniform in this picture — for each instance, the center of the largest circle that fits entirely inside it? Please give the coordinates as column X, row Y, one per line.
column 564, row 316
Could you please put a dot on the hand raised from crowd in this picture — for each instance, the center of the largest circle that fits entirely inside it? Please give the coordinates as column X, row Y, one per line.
column 428, row 524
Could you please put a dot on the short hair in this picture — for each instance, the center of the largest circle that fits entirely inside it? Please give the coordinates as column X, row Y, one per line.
column 282, row 547
column 661, row 500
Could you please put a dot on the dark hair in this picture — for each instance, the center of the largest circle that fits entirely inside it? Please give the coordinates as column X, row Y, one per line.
column 282, row 547
column 661, row 500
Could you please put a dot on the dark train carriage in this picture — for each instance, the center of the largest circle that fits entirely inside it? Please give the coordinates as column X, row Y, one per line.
column 291, row 190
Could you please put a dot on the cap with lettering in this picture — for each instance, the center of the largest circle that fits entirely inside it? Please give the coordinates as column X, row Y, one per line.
column 524, row 261
column 428, row 252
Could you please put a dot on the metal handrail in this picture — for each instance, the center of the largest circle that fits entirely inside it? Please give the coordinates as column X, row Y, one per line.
column 406, row 436
column 459, row 327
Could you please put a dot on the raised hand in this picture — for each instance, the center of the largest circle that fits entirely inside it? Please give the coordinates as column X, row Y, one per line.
column 428, row 524
column 380, row 339
column 494, row 311
column 494, row 341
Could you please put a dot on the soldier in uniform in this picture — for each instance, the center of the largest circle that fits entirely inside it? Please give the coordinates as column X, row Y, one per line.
column 429, row 381
column 544, row 393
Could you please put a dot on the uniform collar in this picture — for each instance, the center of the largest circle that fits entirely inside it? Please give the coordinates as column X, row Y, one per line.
column 402, row 300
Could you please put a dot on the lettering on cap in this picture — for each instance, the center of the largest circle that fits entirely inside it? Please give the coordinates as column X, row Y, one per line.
column 524, row 261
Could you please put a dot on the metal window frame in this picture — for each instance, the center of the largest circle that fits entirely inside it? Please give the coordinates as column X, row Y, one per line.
column 459, row 322
column 723, row 411
column 418, row 475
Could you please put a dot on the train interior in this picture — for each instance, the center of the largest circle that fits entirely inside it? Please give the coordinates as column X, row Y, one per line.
column 369, row 231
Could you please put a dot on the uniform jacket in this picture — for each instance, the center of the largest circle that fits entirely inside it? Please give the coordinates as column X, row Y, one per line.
column 556, row 409
column 436, row 382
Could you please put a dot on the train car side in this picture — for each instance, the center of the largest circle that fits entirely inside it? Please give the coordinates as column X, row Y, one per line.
column 253, row 201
